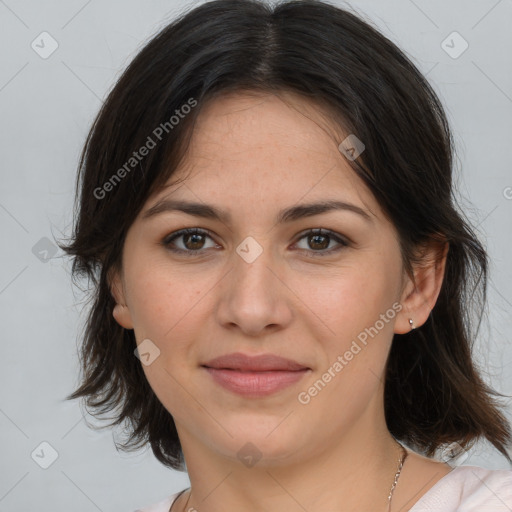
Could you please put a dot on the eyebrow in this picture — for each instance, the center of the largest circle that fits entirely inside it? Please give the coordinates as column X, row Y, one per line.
column 287, row 215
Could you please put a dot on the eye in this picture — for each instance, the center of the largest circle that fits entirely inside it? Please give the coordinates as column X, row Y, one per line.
column 192, row 238
column 320, row 240
column 192, row 241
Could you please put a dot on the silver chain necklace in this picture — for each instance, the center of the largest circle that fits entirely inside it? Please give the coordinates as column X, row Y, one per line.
column 401, row 461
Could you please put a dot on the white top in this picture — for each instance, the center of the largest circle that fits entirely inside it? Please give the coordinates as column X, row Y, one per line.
column 464, row 489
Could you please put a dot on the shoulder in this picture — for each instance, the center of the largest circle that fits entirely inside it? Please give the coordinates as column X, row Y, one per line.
column 161, row 506
column 469, row 489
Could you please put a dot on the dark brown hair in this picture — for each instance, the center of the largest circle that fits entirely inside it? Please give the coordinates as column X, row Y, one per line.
column 434, row 394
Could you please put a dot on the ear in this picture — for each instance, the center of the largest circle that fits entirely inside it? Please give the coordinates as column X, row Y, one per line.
column 420, row 291
column 121, row 313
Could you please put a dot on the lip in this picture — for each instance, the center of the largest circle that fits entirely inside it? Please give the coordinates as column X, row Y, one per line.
column 260, row 363
column 255, row 384
column 255, row 376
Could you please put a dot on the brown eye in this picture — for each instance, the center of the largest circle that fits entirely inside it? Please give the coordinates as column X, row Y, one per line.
column 195, row 240
column 192, row 241
column 318, row 241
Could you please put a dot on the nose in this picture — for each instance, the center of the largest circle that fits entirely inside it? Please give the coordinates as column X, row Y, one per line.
column 254, row 296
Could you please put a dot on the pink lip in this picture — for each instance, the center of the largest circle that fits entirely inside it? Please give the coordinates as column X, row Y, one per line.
column 255, row 375
column 261, row 363
column 255, row 383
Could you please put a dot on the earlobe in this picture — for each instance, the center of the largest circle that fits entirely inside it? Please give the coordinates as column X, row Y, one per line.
column 422, row 290
column 121, row 313
column 122, row 316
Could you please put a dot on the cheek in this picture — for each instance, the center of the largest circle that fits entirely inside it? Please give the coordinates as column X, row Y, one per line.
column 164, row 308
column 161, row 297
column 349, row 299
column 357, row 307
column 168, row 308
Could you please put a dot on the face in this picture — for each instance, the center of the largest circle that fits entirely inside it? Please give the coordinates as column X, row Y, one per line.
column 258, row 282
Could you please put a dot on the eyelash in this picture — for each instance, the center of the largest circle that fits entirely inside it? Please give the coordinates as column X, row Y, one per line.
column 167, row 241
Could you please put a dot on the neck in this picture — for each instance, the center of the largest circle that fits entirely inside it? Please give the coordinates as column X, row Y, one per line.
column 353, row 474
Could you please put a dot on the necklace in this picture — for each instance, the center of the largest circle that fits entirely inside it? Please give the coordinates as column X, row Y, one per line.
column 401, row 461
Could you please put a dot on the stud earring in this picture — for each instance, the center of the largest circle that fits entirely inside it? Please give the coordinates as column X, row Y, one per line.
column 411, row 323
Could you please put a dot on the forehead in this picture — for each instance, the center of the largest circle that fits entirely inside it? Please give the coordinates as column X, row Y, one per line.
column 239, row 123
column 261, row 149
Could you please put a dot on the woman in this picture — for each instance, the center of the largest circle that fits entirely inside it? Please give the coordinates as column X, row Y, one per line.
column 283, row 286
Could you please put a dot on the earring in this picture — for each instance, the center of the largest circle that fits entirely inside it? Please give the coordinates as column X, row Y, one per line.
column 411, row 323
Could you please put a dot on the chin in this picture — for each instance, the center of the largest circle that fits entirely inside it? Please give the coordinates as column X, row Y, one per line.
column 270, row 445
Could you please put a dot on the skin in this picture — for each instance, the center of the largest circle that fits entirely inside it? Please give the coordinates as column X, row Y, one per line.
column 253, row 155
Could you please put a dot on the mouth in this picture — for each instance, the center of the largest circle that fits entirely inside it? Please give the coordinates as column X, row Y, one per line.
column 255, row 376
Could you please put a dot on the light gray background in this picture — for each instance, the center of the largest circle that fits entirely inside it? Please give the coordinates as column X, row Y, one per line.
column 47, row 106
